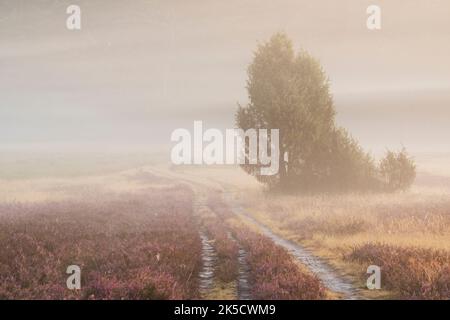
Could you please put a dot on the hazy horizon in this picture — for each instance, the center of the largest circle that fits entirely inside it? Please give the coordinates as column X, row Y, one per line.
column 136, row 71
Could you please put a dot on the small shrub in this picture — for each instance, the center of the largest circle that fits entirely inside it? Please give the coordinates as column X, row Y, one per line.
column 397, row 170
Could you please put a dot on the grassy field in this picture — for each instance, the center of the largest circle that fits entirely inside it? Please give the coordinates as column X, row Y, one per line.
column 135, row 231
column 339, row 227
column 128, row 246
column 407, row 234
column 135, row 234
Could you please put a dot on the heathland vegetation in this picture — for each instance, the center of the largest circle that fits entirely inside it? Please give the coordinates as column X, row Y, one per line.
column 137, row 235
column 144, row 234
column 142, row 243
column 128, row 246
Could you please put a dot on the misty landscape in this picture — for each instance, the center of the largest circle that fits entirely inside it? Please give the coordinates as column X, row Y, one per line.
column 87, row 176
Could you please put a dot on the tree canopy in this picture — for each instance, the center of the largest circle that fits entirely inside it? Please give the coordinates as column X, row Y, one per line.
column 290, row 91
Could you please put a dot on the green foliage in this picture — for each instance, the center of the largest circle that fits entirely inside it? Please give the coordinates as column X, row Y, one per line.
column 351, row 167
column 397, row 170
column 290, row 92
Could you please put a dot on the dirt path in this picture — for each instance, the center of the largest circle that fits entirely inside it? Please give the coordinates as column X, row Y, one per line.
column 324, row 272
column 244, row 290
column 243, row 282
column 209, row 259
column 329, row 277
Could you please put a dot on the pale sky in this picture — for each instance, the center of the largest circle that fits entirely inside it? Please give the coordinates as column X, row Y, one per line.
column 139, row 69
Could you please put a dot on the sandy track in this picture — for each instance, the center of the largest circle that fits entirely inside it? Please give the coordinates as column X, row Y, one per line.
column 330, row 278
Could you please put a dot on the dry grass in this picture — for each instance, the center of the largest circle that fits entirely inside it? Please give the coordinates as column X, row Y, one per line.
column 347, row 220
column 334, row 225
column 414, row 273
